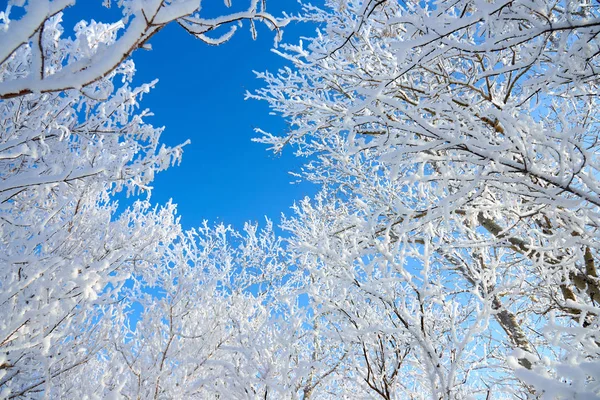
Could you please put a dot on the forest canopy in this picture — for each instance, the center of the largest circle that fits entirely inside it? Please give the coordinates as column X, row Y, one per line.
column 450, row 253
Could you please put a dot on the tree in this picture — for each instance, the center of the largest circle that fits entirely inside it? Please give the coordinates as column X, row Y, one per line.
column 450, row 254
column 141, row 20
column 72, row 136
column 453, row 249
column 224, row 322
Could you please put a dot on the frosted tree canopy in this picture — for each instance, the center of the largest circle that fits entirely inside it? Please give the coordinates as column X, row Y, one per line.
column 450, row 253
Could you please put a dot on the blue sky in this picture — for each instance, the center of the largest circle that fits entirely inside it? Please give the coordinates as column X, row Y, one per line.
column 224, row 177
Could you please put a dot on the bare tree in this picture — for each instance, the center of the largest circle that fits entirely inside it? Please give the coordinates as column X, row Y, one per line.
column 71, row 136
column 457, row 142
